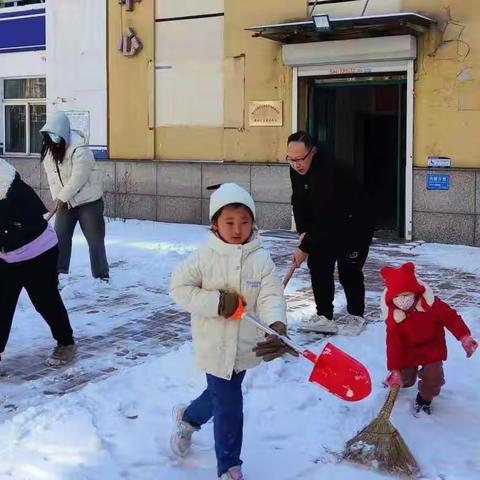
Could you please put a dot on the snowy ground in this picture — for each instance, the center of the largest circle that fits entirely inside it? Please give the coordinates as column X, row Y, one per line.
column 116, row 423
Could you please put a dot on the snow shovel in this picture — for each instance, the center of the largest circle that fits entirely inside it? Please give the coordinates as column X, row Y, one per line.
column 333, row 369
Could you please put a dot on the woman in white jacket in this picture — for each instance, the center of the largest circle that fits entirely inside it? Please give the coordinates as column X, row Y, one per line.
column 76, row 188
column 208, row 285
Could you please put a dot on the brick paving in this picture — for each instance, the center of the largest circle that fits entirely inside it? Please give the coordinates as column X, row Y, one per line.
column 165, row 327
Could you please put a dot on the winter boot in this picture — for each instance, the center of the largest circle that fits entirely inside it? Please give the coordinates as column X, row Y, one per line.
column 319, row 324
column 234, row 473
column 181, row 439
column 61, row 355
column 422, row 406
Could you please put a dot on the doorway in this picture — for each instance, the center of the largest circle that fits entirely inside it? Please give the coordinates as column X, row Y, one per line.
column 361, row 119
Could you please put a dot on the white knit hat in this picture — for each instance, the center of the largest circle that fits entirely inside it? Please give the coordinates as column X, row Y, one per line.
column 230, row 193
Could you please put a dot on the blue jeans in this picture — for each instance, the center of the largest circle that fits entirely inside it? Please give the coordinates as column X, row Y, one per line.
column 223, row 401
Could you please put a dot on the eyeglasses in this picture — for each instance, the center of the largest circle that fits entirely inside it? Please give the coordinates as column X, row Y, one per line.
column 298, row 160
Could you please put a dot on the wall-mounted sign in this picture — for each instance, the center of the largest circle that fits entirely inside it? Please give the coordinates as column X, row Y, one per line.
column 442, row 162
column 80, row 121
column 22, row 30
column 265, row 114
column 348, row 70
column 438, row 182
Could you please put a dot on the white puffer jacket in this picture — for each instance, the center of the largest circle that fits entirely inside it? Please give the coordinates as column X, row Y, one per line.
column 221, row 345
column 77, row 180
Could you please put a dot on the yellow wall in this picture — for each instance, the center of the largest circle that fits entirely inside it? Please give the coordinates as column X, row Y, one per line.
column 265, row 76
column 265, row 79
column 447, row 87
column 189, row 87
column 128, row 77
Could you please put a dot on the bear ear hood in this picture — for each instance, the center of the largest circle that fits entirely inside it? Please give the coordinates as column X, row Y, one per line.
column 401, row 280
column 7, row 176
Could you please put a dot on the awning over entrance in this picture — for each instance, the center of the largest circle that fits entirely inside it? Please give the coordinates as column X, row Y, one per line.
column 405, row 23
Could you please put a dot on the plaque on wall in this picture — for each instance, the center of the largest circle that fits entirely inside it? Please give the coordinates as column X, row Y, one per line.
column 80, row 121
column 265, row 114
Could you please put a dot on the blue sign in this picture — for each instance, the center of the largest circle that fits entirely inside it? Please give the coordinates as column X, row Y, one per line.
column 22, row 31
column 438, row 182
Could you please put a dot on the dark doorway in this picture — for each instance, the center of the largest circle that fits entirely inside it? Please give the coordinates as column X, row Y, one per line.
column 362, row 121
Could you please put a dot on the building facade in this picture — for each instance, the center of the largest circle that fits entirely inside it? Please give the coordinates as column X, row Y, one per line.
column 177, row 95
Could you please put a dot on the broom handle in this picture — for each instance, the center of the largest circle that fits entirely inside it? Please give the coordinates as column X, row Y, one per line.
column 386, row 410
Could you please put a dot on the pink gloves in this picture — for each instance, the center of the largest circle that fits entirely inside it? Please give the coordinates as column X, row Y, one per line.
column 469, row 344
column 394, row 379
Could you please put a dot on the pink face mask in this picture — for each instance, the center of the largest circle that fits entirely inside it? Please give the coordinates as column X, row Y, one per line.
column 404, row 302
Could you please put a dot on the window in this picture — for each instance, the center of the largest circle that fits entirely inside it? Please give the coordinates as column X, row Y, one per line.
column 18, row 3
column 25, row 113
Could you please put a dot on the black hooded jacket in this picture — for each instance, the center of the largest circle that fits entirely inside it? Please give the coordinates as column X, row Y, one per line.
column 331, row 207
column 21, row 215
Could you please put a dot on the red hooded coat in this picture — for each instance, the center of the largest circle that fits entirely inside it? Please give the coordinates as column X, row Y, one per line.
column 417, row 337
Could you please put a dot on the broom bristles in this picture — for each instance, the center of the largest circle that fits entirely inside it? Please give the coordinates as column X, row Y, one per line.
column 381, row 446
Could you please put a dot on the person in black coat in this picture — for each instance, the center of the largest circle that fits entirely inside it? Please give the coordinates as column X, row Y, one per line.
column 334, row 221
column 28, row 259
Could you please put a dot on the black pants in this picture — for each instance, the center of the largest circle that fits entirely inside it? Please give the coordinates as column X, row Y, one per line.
column 322, row 268
column 39, row 278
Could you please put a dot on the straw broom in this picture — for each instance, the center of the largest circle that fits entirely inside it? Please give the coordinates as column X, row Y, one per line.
column 380, row 446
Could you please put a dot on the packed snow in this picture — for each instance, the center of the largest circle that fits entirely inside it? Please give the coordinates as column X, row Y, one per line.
column 118, row 427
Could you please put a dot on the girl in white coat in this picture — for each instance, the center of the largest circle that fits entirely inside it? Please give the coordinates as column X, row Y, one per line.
column 77, row 190
column 208, row 285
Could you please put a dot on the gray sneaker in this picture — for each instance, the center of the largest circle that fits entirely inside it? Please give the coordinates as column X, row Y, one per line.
column 181, row 438
column 61, row 355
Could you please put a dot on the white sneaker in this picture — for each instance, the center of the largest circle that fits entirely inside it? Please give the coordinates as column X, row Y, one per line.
column 350, row 324
column 319, row 324
column 355, row 320
column 181, row 439
column 234, row 473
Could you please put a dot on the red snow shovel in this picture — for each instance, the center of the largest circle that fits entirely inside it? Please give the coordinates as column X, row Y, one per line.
column 333, row 369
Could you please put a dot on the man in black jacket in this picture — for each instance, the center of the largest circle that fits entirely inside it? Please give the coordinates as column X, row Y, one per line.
column 334, row 222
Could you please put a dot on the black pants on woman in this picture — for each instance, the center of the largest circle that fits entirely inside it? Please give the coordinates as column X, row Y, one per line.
column 39, row 278
column 322, row 269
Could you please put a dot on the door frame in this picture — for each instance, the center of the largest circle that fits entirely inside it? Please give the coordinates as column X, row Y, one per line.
column 352, row 69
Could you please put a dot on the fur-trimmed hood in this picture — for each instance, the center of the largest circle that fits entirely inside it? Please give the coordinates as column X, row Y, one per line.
column 7, row 176
column 426, row 301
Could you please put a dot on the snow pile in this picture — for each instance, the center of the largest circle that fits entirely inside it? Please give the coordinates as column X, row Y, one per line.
column 119, row 428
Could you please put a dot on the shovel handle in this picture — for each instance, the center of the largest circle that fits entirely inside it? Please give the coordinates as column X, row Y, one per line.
column 51, row 214
column 289, row 274
column 250, row 318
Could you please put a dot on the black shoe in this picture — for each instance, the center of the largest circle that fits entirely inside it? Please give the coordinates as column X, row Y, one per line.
column 422, row 405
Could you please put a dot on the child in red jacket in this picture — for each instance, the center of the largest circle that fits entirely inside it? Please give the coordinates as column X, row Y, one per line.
column 416, row 322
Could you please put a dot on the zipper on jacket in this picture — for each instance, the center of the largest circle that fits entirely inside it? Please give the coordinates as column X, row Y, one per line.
column 60, row 178
column 58, row 173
